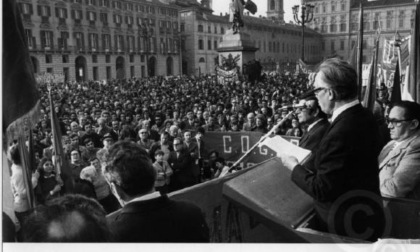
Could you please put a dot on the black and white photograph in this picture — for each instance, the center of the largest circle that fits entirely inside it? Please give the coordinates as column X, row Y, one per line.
column 173, row 125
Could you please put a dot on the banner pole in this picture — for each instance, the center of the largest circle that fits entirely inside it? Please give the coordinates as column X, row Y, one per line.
column 259, row 141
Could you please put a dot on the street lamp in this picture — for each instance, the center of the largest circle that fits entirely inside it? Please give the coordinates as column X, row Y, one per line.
column 147, row 33
column 306, row 16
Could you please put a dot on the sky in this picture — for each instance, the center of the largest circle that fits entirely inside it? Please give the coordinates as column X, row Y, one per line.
column 223, row 6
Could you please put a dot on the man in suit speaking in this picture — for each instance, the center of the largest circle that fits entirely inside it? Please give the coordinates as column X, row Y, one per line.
column 343, row 177
column 146, row 215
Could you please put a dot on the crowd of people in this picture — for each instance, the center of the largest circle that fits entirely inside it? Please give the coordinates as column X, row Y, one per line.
column 163, row 120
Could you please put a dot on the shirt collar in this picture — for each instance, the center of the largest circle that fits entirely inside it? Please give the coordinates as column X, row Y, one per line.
column 341, row 109
column 146, row 197
column 313, row 124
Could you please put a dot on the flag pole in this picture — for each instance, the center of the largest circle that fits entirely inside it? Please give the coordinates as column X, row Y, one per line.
column 269, row 133
column 360, row 52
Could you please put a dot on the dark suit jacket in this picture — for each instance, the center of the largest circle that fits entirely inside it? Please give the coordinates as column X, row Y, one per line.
column 158, row 220
column 312, row 138
column 346, row 160
column 183, row 170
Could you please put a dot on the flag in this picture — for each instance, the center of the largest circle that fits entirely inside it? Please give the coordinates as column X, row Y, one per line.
column 251, row 6
column 360, row 52
column 370, row 94
column 396, row 88
column 21, row 99
column 414, row 68
column 59, row 158
column 26, row 168
column 352, row 60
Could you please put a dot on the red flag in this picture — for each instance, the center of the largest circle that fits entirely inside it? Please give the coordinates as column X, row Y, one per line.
column 396, row 89
column 414, row 68
column 20, row 93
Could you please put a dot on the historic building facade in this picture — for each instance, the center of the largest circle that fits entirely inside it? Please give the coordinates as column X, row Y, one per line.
column 103, row 39
column 338, row 22
column 277, row 41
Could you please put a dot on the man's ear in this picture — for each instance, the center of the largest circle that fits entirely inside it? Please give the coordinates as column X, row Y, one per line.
column 332, row 96
column 415, row 124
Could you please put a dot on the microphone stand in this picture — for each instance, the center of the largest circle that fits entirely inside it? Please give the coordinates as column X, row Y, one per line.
column 260, row 141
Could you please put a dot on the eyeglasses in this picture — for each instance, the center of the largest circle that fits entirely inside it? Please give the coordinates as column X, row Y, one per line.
column 395, row 122
column 143, row 132
column 316, row 91
column 177, row 144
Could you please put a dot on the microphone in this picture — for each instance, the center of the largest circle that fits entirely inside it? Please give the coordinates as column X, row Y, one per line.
column 293, row 106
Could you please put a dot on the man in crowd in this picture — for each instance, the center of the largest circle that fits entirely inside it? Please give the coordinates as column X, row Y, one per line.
column 399, row 160
column 182, row 166
column 90, row 133
column 249, row 125
column 346, row 161
column 146, row 215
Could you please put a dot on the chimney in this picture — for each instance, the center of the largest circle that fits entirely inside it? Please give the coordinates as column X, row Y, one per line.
column 221, row 14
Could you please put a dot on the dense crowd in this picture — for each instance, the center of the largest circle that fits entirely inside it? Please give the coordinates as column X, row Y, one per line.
column 129, row 141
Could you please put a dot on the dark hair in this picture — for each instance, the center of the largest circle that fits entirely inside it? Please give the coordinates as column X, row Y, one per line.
column 321, row 114
column 130, row 168
column 159, row 152
column 341, row 76
column 42, row 162
column 411, row 110
column 76, row 217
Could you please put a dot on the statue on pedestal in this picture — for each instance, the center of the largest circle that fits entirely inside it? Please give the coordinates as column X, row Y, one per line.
column 236, row 10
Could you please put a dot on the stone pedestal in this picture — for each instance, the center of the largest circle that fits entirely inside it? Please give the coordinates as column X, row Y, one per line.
column 237, row 44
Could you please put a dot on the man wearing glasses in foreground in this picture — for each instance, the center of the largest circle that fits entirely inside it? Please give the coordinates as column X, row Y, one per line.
column 343, row 178
column 400, row 159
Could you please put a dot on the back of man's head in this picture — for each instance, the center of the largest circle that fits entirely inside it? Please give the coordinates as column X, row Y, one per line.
column 129, row 166
column 341, row 76
column 71, row 218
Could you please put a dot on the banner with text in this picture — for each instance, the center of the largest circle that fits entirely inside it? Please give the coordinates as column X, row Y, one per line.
column 232, row 145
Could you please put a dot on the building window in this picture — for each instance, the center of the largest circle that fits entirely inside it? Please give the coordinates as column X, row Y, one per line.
column 79, row 40
column 343, row 6
column 364, row 45
column 65, row 58
column 132, row 72
column 342, row 45
column 108, row 58
column 131, row 58
column 46, row 39
column 215, row 29
column 142, row 58
column 44, row 11
column 332, row 45
column 333, row 7
column 49, row 70
column 200, row 28
column 222, row 30
column 272, row 5
column 209, row 44
column 94, row 58
column 95, row 73
column 215, row 45
column 343, row 27
column 182, row 27
column 108, row 73
column 200, row 44
column 209, row 29
column 48, row 58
